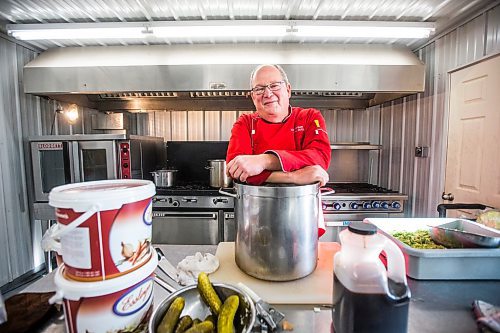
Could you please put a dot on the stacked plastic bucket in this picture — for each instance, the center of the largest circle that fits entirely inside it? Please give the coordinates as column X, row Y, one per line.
column 104, row 236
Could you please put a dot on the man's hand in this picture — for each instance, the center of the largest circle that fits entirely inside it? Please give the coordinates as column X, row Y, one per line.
column 244, row 166
column 309, row 175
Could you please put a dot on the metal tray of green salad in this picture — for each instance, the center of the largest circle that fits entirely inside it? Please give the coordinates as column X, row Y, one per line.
column 440, row 263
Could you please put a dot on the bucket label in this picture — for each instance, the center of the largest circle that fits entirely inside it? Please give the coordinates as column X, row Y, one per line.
column 75, row 246
column 135, row 299
column 148, row 214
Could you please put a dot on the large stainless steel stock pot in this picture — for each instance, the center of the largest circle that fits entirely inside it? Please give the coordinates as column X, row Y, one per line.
column 276, row 230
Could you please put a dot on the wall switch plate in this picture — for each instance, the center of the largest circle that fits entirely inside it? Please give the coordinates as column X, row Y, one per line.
column 421, row 151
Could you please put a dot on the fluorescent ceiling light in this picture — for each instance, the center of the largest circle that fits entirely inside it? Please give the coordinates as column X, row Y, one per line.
column 363, row 29
column 224, row 29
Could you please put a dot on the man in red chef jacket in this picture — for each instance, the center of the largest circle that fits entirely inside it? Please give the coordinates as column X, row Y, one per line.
column 278, row 143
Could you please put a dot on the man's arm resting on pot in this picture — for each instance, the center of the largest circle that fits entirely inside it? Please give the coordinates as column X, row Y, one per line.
column 304, row 176
column 243, row 166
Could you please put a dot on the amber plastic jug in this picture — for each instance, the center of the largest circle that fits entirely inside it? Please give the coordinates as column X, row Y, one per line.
column 367, row 297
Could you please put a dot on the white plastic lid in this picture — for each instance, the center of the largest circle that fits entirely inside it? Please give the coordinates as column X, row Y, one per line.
column 74, row 290
column 106, row 194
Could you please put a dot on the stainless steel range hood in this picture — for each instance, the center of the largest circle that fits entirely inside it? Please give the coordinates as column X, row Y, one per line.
column 216, row 76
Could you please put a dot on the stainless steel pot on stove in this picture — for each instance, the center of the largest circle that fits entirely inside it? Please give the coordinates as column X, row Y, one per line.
column 164, row 178
column 276, row 230
column 218, row 175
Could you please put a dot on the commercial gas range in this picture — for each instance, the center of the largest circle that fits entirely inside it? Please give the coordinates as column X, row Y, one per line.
column 192, row 213
column 357, row 201
column 195, row 213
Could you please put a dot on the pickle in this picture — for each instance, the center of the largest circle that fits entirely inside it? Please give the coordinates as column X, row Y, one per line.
column 227, row 313
column 208, row 293
column 203, row 327
column 211, row 318
column 196, row 321
column 170, row 319
column 184, row 323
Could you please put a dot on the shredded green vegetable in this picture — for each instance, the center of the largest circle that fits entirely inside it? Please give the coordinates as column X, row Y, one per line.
column 419, row 239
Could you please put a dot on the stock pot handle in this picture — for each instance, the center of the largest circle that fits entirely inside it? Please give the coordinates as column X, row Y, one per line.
column 221, row 191
column 326, row 190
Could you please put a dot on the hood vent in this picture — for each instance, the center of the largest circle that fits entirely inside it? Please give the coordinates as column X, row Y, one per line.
column 149, row 94
column 216, row 77
column 196, row 94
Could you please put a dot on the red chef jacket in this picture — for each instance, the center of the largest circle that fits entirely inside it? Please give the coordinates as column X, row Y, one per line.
column 298, row 141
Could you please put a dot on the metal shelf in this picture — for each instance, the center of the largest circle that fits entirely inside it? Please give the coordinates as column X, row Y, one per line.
column 354, row 145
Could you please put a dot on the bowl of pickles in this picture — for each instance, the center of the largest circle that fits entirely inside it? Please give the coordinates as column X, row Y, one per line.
column 205, row 307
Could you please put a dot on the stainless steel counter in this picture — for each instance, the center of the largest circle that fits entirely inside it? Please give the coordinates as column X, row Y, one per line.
column 436, row 306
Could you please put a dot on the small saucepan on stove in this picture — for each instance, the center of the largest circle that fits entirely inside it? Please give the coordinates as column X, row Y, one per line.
column 164, row 177
column 218, row 174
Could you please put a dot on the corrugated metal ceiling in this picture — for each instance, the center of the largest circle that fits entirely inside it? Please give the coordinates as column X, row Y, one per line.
column 443, row 13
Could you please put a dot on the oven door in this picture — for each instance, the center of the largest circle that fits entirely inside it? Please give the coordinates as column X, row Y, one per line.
column 181, row 227
column 52, row 165
column 96, row 160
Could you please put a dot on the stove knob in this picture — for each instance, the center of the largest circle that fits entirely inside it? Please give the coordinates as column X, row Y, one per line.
column 324, row 206
column 376, row 204
column 336, row 206
column 396, row 205
column 175, row 203
column 367, row 205
column 384, row 205
column 354, row 205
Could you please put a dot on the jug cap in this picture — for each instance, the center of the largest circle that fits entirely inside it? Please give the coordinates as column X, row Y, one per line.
column 362, row 228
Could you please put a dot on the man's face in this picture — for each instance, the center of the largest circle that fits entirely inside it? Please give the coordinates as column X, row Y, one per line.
column 271, row 105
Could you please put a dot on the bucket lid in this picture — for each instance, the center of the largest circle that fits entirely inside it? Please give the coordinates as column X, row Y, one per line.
column 106, row 194
column 74, row 290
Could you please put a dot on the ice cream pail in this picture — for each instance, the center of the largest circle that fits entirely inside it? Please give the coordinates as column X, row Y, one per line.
column 123, row 304
column 104, row 227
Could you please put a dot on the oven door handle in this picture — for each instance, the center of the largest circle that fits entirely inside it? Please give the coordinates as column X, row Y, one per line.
column 186, row 215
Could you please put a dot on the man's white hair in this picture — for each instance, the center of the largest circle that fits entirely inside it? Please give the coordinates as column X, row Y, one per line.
column 278, row 67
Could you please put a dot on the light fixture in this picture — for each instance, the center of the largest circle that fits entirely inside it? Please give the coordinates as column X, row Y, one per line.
column 222, row 29
column 71, row 114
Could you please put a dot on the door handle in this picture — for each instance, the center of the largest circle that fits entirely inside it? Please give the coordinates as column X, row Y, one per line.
column 447, row 196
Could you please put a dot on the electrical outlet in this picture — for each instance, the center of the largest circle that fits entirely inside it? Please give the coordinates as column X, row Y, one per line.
column 421, row 151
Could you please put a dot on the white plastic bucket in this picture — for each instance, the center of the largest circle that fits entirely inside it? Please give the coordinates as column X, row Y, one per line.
column 114, row 305
column 104, row 227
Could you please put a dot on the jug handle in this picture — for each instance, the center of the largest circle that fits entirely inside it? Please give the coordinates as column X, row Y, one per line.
column 397, row 287
column 395, row 262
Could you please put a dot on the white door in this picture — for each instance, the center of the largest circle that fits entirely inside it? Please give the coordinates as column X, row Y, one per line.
column 473, row 157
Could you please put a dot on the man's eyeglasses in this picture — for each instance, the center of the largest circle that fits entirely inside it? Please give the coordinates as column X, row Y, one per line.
column 274, row 86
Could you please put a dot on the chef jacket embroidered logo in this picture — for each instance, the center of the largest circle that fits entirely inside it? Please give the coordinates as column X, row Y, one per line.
column 299, row 128
column 135, row 299
column 148, row 214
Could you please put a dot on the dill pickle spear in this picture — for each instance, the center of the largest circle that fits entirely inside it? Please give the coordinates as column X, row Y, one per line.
column 170, row 319
column 184, row 323
column 203, row 327
column 208, row 293
column 227, row 313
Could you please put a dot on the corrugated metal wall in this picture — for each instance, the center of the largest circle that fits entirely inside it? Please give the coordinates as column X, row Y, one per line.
column 421, row 120
column 358, row 125
column 22, row 116
column 16, row 229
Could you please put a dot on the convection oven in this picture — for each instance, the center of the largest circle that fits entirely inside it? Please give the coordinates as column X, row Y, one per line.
column 64, row 159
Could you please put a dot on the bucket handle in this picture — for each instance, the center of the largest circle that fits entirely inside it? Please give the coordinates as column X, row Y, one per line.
column 51, row 240
column 57, row 297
